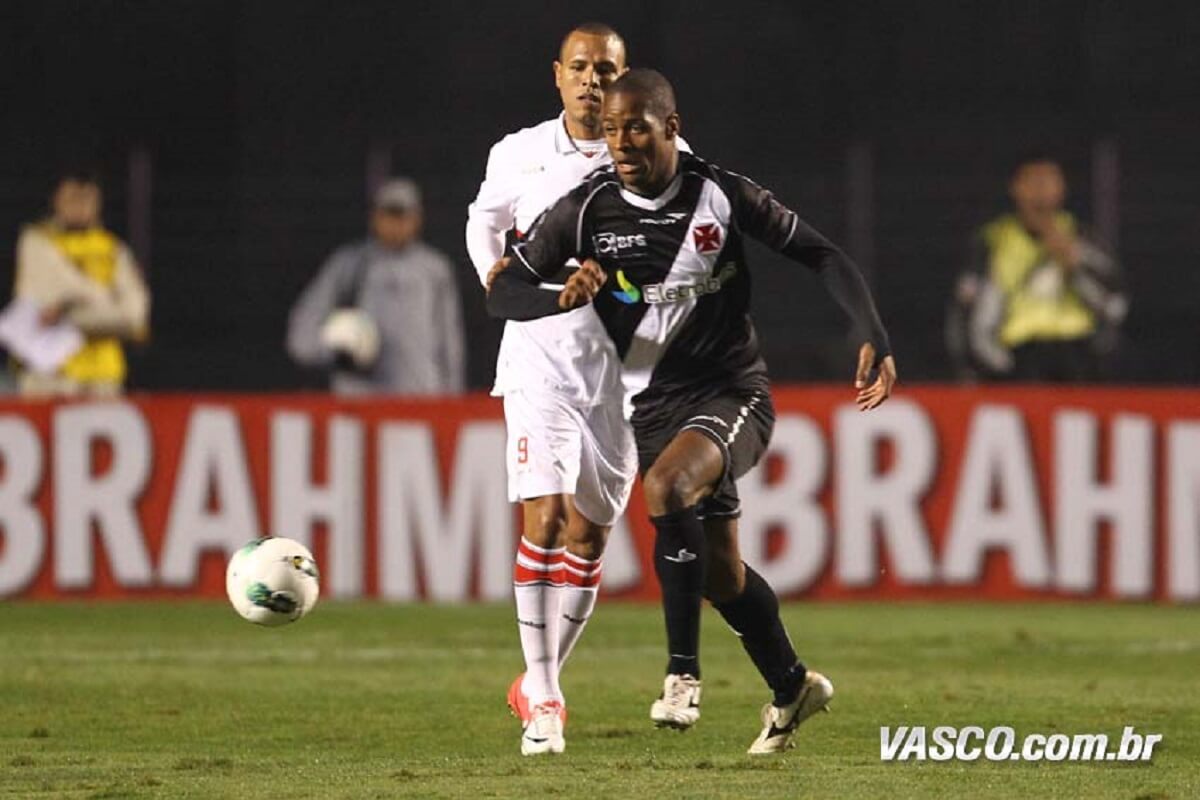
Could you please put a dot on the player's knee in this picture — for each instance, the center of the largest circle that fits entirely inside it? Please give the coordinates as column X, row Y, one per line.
column 545, row 520
column 584, row 538
column 588, row 550
column 670, row 488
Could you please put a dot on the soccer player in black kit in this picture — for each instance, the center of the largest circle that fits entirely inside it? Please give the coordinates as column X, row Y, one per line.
column 659, row 238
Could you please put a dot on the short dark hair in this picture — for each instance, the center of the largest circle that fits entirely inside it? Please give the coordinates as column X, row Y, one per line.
column 650, row 85
column 77, row 173
column 1034, row 157
column 592, row 29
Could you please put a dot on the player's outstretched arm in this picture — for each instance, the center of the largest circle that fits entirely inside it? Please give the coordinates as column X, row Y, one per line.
column 760, row 215
column 845, row 282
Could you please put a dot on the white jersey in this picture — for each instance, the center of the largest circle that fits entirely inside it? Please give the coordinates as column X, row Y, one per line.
column 570, row 354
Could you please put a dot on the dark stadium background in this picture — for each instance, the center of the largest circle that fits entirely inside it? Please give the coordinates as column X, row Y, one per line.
column 258, row 119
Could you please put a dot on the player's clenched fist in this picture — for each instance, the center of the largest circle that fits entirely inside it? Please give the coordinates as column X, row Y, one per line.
column 583, row 285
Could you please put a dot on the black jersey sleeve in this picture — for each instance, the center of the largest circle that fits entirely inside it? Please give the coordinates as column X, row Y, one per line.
column 516, row 294
column 759, row 215
column 553, row 238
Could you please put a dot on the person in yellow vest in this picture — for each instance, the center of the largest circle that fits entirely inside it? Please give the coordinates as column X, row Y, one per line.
column 1046, row 298
column 76, row 271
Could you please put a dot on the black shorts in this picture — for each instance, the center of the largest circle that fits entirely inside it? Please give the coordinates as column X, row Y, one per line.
column 740, row 424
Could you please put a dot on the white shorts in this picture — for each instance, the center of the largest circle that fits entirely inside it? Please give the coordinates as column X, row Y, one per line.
column 558, row 448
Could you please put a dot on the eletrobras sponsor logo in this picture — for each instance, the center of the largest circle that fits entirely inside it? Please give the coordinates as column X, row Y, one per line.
column 663, row 293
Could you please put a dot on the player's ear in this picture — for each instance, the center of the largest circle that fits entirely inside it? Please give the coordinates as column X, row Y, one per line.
column 558, row 74
column 672, row 125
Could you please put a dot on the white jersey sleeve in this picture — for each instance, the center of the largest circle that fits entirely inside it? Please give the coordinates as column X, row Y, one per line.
column 493, row 212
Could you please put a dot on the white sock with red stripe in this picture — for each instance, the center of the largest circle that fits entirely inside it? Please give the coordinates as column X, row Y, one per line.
column 537, row 586
column 578, row 599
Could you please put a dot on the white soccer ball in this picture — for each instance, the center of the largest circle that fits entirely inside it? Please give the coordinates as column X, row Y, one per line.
column 272, row 581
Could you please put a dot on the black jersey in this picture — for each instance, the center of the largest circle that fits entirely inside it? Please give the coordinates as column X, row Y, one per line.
column 677, row 299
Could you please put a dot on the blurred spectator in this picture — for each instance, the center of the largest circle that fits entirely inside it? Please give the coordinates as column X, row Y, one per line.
column 384, row 314
column 76, row 271
column 1040, row 299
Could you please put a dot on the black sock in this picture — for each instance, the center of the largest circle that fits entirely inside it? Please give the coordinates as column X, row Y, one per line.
column 754, row 615
column 679, row 562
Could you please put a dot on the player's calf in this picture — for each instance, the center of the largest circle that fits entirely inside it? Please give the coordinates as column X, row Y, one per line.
column 679, row 562
column 580, row 587
column 754, row 616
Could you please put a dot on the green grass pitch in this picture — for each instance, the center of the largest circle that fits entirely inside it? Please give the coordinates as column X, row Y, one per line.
column 372, row 701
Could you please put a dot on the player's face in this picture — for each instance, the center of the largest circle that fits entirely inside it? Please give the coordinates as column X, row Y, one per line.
column 1038, row 189
column 588, row 64
column 641, row 144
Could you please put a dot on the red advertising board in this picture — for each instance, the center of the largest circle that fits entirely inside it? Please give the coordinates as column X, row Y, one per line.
column 997, row 493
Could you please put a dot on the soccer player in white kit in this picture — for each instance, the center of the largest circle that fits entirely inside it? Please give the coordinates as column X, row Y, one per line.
column 570, row 457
